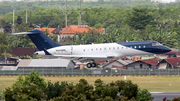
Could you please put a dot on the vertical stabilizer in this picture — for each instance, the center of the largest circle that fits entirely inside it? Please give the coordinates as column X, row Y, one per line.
column 41, row 40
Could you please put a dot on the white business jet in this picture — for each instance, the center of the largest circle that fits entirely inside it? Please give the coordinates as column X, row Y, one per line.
column 93, row 52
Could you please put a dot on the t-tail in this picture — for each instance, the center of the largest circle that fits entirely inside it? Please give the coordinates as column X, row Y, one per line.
column 41, row 40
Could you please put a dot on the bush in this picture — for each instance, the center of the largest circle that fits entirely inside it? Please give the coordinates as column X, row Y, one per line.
column 55, row 90
column 144, row 95
column 34, row 88
column 31, row 87
column 176, row 99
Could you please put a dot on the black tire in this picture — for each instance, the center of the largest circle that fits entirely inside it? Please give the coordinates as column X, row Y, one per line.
column 93, row 64
column 89, row 65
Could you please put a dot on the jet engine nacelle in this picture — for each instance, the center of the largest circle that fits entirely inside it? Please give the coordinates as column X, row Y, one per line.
column 40, row 53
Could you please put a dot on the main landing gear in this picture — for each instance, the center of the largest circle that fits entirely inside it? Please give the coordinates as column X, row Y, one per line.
column 89, row 65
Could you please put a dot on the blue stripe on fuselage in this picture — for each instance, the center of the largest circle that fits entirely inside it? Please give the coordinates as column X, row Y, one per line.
column 146, row 46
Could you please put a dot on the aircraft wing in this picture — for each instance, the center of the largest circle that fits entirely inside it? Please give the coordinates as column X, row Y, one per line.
column 85, row 57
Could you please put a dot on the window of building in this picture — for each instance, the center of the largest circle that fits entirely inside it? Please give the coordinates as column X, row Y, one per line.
column 141, row 66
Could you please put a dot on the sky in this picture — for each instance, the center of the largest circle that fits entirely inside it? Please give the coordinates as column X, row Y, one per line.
column 165, row 1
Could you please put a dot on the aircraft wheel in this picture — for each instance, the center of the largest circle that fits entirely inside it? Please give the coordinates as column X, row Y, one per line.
column 89, row 65
column 93, row 64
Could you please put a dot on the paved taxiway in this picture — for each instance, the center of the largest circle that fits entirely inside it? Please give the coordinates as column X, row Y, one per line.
column 159, row 96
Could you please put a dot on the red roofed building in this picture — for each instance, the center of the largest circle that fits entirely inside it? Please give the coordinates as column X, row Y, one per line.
column 115, row 64
column 169, row 63
column 75, row 29
column 49, row 30
column 144, row 64
column 71, row 30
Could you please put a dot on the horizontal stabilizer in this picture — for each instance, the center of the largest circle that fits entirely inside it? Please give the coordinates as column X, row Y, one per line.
column 23, row 33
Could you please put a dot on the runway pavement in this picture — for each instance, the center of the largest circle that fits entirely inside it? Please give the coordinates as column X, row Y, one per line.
column 159, row 96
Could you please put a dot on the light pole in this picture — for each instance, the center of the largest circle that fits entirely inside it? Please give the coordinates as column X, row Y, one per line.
column 13, row 10
column 80, row 13
column 13, row 14
column 66, row 13
column 26, row 11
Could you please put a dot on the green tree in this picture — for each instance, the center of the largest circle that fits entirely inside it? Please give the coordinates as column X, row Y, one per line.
column 140, row 17
column 2, row 21
column 55, row 90
column 144, row 95
column 130, row 90
column 29, row 88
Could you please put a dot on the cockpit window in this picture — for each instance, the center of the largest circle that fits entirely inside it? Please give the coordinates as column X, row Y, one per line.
column 156, row 44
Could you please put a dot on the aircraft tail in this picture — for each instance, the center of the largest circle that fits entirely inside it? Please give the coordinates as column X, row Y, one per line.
column 41, row 40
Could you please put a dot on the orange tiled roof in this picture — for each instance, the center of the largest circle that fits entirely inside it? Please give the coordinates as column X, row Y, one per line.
column 173, row 61
column 152, row 61
column 72, row 29
column 49, row 29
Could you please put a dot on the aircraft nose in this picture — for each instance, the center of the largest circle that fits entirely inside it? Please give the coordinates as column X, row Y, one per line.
column 167, row 49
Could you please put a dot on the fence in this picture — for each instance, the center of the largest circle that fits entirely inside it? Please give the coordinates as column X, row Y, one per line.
column 120, row 72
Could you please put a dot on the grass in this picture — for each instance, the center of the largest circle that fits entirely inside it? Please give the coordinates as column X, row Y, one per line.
column 152, row 83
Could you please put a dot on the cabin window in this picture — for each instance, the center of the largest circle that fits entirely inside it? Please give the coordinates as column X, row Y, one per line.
column 100, row 49
column 91, row 49
column 139, row 46
column 109, row 48
column 113, row 47
column 144, row 46
column 122, row 47
column 134, row 46
column 84, row 50
column 104, row 48
column 130, row 46
column 117, row 47
column 96, row 49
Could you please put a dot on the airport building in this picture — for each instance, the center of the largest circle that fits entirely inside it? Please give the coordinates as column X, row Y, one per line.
column 117, row 64
column 169, row 63
column 144, row 64
column 37, row 64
